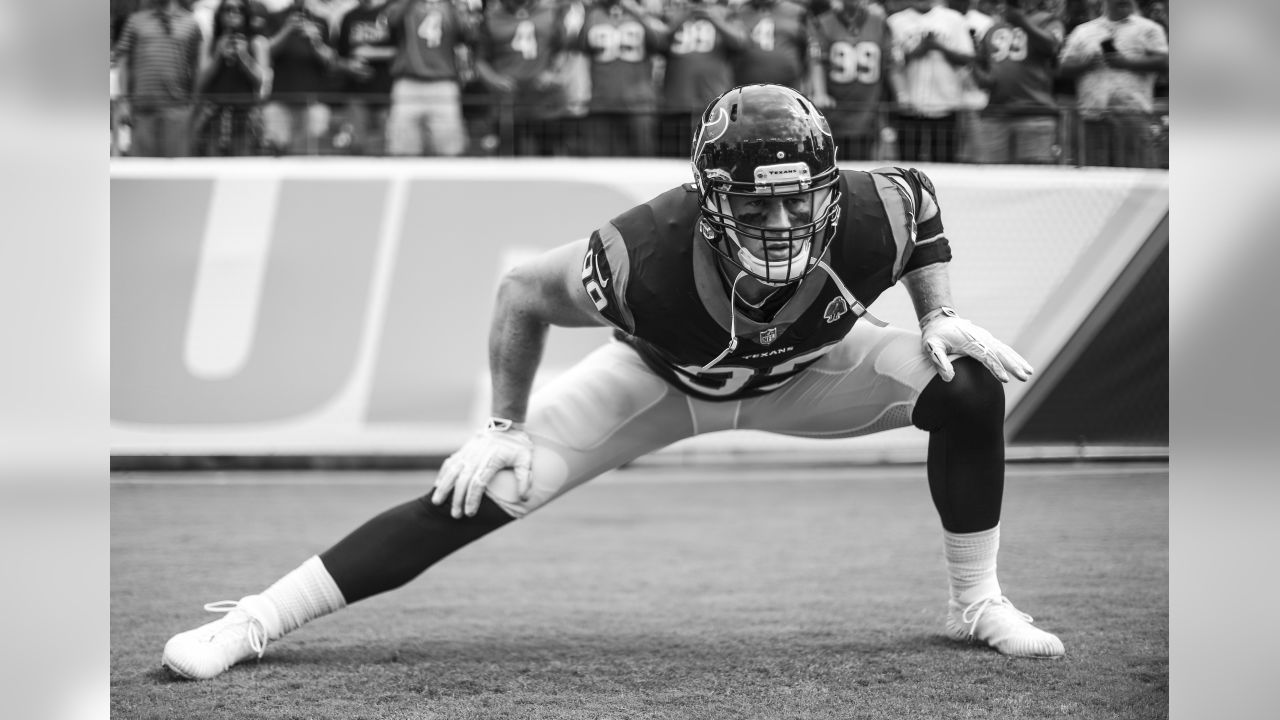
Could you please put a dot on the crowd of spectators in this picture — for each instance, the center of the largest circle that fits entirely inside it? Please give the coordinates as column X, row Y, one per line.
column 1022, row 81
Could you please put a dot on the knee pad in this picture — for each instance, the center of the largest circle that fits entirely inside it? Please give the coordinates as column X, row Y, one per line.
column 974, row 396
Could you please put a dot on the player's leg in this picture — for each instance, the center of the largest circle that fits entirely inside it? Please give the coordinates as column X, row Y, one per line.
column 605, row 411
column 965, row 420
column 1034, row 140
column 993, row 139
column 443, row 118
column 404, row 136
column 879, row 379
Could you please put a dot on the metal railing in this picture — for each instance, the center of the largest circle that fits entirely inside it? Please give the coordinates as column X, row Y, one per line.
column 345, row 124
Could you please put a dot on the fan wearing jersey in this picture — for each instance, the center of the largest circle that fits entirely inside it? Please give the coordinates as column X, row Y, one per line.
column 426, row 94
column 778, row 44
column 366, row 50
column 620, row 40
column 705, row 38
column 1017, row 60
column 855, row 57
column 519, row 59
column 738, row 301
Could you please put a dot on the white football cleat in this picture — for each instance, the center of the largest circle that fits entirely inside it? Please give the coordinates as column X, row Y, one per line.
column 210, row 649
column 996, row 622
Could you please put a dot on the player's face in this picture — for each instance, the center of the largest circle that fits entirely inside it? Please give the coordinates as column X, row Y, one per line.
column 778, row 215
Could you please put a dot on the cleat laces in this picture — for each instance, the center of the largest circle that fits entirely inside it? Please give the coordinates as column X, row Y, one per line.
column 974, row 612
column 257, row 632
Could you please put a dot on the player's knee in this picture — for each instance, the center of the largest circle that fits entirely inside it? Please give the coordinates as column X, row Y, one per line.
column 489, row 513
column 974, row 396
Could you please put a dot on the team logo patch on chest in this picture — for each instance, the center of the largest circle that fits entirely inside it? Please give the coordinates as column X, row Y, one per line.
column 836, row 308
column 768, row 336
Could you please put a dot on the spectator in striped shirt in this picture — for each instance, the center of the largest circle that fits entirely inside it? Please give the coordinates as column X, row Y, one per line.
column 932, row 44
column 156, row 57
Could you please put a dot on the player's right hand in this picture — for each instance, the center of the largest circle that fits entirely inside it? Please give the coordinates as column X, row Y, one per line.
column 467, row 472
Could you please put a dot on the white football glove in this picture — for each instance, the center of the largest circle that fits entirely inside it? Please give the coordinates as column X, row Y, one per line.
column 468, row 471
column 942, row 332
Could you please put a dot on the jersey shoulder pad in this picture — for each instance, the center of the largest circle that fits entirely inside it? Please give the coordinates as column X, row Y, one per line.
column 918, row 188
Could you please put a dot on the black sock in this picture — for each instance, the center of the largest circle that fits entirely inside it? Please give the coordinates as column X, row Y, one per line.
column 965, row 420
column 397, row 545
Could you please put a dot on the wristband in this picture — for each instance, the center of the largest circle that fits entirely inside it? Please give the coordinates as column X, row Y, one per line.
column 937, row 313
column 497, row 424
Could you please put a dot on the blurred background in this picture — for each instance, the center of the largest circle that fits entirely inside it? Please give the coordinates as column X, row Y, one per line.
column 303, row 292
column 1075, row 82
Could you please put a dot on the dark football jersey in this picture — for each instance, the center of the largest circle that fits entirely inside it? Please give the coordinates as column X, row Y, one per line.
column 1022, row 78
column 777, row 45
column 296, row 66
column 699, row 62
column 365, row 33
column 856, row 62
column 654, row 278
column 427, row 35
column 621, row 49
column 522, row 44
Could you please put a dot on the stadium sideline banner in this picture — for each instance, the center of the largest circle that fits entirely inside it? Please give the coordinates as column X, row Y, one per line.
column 339, row 306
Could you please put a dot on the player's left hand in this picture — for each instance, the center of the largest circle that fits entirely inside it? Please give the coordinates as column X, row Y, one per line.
column 468, row 471
column 943, row 333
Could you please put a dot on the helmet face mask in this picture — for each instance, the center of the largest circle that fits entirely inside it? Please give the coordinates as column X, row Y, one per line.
column 764, row 161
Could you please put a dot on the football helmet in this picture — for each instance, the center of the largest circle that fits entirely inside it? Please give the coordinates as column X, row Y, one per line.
column 762, row 142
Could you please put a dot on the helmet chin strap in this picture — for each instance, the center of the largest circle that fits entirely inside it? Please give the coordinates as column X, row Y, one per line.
column 733, row 325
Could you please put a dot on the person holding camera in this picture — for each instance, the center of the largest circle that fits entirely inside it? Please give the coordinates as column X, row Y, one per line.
column 933, row 45
column 1115, row 59
column 1017, row 60
column 296, row 118
column 235, row 73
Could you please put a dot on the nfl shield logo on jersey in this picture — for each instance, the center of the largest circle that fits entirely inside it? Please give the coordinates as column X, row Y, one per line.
column 835, row 309
column 768, row 336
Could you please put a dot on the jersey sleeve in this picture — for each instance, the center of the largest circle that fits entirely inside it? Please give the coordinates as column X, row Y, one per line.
column 124, row 44
column 606, row 269
column 931, row 244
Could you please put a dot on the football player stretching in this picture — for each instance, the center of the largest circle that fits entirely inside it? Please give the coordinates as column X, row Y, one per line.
column 738, row 301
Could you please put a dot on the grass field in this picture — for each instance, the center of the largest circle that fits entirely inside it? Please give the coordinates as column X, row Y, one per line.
column 657, row 593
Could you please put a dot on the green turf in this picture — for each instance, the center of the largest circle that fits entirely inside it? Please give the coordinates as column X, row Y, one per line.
column 657, row 593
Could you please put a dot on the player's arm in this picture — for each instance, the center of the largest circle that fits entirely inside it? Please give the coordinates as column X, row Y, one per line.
column 1076, row 55
column 927, row 280
column 732, row 34
column 532, row 297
